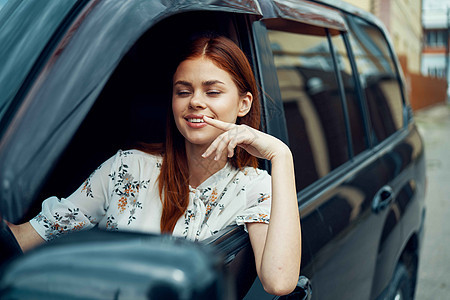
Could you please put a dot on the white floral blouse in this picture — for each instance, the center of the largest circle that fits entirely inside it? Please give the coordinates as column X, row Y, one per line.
column 123, row 194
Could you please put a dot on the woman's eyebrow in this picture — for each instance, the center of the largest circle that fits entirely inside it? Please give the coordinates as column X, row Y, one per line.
column 204, row 83
column 182, row 82
column 212, row 82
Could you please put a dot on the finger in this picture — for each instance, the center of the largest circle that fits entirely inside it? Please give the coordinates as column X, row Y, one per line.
column 225, row 126
column 222, row 144
column 214, row 145
column 231, row 146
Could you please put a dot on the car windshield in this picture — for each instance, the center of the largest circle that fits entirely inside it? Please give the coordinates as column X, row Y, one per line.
column 25, row 29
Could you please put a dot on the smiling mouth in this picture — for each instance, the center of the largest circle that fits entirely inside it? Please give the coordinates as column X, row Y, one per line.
column 195, row 120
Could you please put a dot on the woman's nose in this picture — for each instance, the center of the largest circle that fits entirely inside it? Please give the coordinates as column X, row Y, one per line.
column 197, row 101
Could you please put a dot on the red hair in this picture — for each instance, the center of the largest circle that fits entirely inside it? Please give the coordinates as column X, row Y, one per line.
column 174, row 176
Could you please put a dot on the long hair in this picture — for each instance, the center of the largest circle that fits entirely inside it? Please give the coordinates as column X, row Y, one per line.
column 174, row 177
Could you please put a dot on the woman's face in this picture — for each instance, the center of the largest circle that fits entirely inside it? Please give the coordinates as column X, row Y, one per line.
column 202, row 89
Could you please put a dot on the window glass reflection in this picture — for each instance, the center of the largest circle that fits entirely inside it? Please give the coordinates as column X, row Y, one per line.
column 312, row 104
column 378, row 78
column 354, row 109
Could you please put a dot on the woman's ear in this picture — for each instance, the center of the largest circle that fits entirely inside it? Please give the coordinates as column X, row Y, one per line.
column 245, row 104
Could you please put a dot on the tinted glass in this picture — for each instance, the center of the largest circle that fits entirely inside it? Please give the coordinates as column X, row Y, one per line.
column 378, row 78
column 354, row 108
column 312, row 104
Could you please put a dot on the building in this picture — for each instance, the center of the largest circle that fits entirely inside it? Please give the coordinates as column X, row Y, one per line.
column 421, row 51
column 436, row 20
column 402, row 19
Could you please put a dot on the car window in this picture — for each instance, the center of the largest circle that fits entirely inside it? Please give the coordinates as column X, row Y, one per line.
column 353, row 103
column 139, row 86
column 312, row 103
column 378, row 78
column 25, row 29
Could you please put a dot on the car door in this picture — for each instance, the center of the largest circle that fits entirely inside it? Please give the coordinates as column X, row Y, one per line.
column 296, row 105
column 395, row 144
column 338, row 173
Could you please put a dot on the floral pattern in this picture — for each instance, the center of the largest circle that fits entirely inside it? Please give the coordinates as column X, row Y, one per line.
column 258, row 218
column 263, row 197
column 127, row 188
column 111, row 223
column 87, row 188
column 61, row 223
column 122, row 194
column 211, row 204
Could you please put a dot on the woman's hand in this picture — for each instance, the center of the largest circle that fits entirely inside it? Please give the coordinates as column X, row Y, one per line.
column 255, row 142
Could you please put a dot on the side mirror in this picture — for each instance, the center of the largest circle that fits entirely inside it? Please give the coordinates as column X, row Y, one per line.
column 116, row 265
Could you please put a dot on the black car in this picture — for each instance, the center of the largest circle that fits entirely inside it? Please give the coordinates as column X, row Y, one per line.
column 80, row 78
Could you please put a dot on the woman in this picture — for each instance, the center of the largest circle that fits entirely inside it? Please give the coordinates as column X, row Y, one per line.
column 202, row 179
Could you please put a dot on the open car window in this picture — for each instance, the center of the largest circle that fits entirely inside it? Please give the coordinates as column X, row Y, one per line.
column 109, row 72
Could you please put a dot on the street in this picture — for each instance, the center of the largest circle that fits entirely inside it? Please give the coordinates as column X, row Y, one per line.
column 434, row 267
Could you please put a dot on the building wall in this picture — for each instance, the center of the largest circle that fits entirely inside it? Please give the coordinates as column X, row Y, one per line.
column 436, row 20
column 364, row 4
column 423, row 65
column 383, row 10
column 402, row 18
column 406, row 28
column 433, row 65
column 424, row 90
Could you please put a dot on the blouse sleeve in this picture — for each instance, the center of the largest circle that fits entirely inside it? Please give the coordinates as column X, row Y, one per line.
column 81, row 210
column 259, row 199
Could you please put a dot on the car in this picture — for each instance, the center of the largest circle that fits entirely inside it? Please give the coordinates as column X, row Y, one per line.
column 82, row 78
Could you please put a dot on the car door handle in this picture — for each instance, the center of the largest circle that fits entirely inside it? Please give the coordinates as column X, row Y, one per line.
column 382, row 198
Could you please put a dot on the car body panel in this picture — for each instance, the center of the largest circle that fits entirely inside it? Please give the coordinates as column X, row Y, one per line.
column 360, row 243
column 303, row 12
column 23, row 39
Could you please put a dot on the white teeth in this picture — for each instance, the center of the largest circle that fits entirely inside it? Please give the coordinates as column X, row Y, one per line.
column 196, row 120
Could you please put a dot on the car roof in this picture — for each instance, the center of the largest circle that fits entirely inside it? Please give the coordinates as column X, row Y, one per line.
column 353, row 10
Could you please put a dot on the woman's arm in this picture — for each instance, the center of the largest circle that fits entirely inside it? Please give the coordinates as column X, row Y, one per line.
column 26, row 236
column 277, row 246
column 60, row 216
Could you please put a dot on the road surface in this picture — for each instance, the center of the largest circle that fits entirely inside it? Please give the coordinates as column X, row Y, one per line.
column 434, row 266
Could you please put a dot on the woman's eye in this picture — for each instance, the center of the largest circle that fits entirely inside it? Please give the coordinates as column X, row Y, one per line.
column 213, row 93
column 183, row 93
